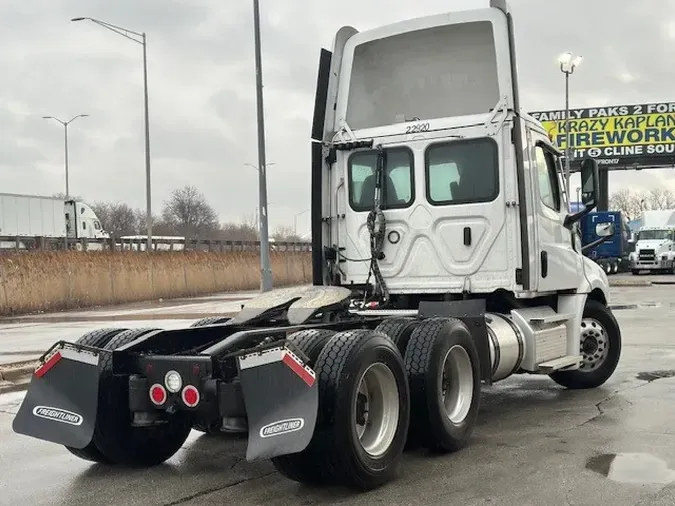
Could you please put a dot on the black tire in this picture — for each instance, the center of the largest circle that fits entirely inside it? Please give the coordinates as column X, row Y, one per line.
column 311, row 342
column 608, row 340
column 114, row 436
column 210, row 320
column 635, row 272
column 97, row 339
column 335, row 454
column 399, row 330
column 429, row 345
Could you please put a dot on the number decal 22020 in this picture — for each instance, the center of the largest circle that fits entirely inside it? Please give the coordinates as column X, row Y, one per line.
column 416, row 128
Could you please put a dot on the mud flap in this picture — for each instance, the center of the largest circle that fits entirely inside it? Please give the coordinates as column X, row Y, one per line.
column 62, row 399
column 281, row 398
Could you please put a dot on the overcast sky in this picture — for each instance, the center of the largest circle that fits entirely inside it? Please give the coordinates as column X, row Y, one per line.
column 202, row 95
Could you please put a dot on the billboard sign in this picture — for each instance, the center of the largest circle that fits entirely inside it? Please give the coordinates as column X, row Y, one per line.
column 621, row 135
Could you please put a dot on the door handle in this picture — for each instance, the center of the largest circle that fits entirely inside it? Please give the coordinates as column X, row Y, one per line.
column 544, row 264
column 467, row 236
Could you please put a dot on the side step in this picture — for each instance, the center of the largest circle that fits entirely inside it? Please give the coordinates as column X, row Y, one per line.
column 559, row 363
column 554, row 318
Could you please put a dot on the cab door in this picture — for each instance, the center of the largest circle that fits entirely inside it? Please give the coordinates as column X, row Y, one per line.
column 557, row 263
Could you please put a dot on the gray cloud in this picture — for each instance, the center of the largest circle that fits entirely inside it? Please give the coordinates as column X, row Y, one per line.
column 202, row 97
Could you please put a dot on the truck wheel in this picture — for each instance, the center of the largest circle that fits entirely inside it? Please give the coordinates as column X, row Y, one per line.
column 443, row 371
column 114, row 436
column 210, row 320
column 399, row 330
column 97, row 339
column 600, row 348
column 363, row 415
column 311, row 342
column 635, row 272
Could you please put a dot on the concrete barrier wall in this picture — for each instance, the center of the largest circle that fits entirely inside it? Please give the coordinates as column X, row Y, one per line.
column 49, row 281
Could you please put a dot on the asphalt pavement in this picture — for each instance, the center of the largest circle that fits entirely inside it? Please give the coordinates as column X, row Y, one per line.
column 535, row 443
column 27, row 337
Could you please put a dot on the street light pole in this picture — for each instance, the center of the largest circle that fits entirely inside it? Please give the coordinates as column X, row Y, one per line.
column 135, row 36
column 295, row 221
column 265, row 269
column 65, row 132
column 567, row 66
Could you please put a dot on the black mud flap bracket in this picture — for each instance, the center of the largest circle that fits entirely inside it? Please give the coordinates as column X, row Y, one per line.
column 62, row 399
column 281, row 398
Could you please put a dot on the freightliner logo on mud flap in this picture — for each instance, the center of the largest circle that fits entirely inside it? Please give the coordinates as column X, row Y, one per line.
column 282, row 427
column 58, row 415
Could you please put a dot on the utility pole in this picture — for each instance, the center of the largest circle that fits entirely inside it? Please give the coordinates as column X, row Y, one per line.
column 265, row 268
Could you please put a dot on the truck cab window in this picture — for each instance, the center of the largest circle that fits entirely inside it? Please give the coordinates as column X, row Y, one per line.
column 547, row 176
column 97, row 225
column 462, row 172
column 397, row 191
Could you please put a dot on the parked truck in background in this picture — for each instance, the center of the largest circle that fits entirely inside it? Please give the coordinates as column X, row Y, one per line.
column 612, row 254
column 444, row 258
column 49, row 217
column 655, row 244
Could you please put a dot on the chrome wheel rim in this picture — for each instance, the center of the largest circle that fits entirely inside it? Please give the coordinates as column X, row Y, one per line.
column 376, row 409
column 594, row 344
column 457, row 384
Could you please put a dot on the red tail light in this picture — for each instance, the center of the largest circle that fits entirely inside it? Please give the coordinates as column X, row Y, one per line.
column 190, row 396
column 157, row 394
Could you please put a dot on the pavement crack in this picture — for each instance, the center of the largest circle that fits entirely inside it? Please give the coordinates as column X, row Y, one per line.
column 599, row 404
column 213, row 490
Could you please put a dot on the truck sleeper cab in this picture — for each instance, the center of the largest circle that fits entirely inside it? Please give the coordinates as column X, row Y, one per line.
column 443, row 259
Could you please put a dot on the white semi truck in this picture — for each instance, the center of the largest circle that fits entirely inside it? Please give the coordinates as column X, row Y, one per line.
column 23, row 216
column 444, row 259
column 655, row 244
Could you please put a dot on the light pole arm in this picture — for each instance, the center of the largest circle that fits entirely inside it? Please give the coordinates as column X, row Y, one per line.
column 124, row 32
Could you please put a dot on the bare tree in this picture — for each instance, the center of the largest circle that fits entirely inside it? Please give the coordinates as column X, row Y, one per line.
column 659, row 198
column 628, row 202
column 189, row 214
column 286, row 234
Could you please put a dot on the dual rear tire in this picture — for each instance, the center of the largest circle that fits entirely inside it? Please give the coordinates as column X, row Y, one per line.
column 115, row 440
column 378, row 389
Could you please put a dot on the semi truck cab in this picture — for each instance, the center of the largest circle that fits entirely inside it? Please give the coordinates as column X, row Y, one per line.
column 430, row 179
column 82, row 222
column 444, row 258
column 654, row 250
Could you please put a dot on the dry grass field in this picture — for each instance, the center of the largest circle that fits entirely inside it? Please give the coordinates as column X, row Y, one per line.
column 49, row 281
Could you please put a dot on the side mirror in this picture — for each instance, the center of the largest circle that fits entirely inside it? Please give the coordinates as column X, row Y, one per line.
column 605, row 229
column 590, row 183
column 590, row 191
column 602, row 230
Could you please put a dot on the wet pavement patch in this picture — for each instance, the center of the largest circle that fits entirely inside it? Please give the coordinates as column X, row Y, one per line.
column 637, row 468
column 655, row 375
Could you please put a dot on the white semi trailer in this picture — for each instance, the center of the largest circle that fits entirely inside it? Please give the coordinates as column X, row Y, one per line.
column 23, row 216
